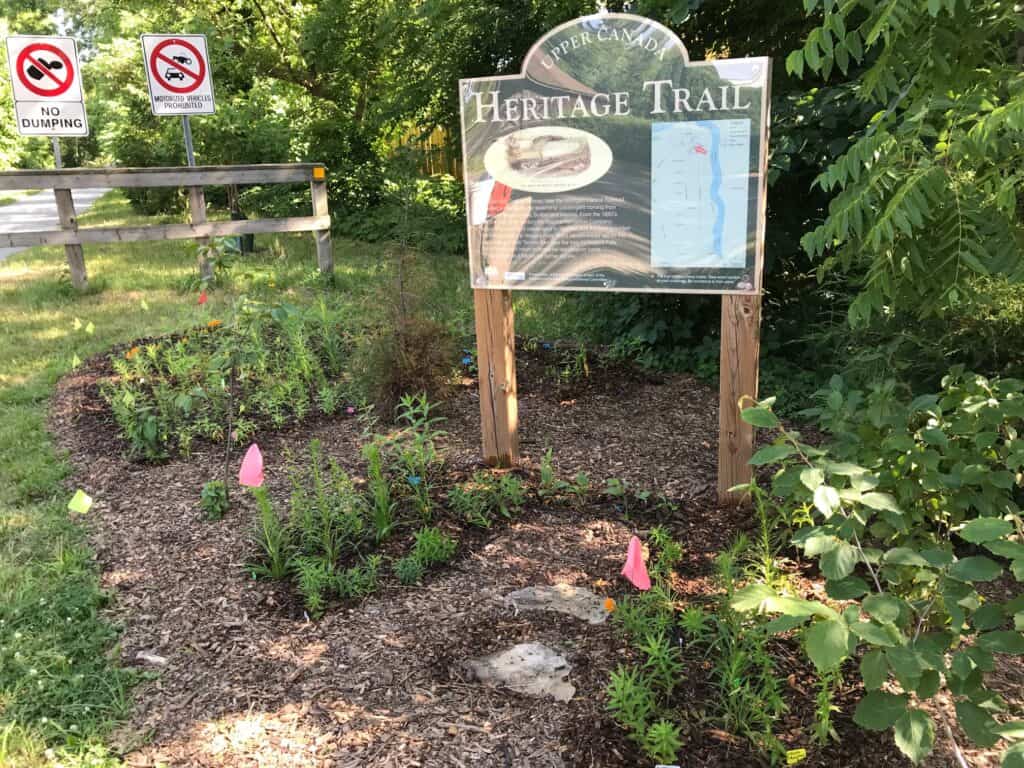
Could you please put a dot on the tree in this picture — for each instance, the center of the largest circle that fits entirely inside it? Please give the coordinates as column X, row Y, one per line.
column 927, row 196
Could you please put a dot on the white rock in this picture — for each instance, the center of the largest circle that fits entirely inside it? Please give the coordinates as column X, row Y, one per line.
column 151, row 658
column 529, row 668
column 563, row 598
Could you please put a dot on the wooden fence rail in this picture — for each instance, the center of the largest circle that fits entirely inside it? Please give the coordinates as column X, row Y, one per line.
column 194, row 179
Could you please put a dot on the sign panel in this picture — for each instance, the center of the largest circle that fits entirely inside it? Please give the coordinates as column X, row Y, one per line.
column 613, row 162
column 178, row 74
column 46, row 80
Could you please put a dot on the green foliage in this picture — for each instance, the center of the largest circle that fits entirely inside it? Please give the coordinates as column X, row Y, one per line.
column 486, row 496
column 908, row 508
column 926, row 198
column 414, row 448
column 214, row 499
column 433, row 547
column 409, row 570
column 382, row 506
column 264, row 365
column 662, row 741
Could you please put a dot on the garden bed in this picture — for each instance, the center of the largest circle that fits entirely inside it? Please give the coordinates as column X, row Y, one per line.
column 244, row 678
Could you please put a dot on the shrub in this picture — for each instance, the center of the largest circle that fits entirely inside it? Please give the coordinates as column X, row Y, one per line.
column 908, row 508
column 409, row 570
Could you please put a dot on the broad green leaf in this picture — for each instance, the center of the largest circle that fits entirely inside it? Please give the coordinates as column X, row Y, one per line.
column 795, row 63
column 1011, row 550
column 885, row 608
column 826, row 500
column 1013, row 730
column 874, row 669
column 751, row 597
column 985, row 529
column 849, row 588
column 929, row 685
column 759, row 417
column 784, row 624
column 904, row 556
column 873, row 633
column 839, row 562
column 977, row 723
column 1014, row 756
column 771, row 454
column 812, row 477
column 881, row 501
column 879, row 710
column 827, row 642
column 976, row 568
column 915, row 735
column 1002, row 641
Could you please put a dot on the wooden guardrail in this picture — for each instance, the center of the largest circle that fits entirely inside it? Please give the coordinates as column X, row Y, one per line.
column 194, row 179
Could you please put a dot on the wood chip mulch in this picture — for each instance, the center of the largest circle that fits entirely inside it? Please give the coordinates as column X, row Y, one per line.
column 243, row 678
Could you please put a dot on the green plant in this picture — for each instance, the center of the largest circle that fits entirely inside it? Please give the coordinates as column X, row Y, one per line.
column 485, row 496
column 314, row 579
column 662, row 741
column 911, row 506
column 663, row 663
column 214, row 499
column 416, row 447
column 382, row 507
column 631, row 700
column 409, row 570
column 548, row 478
column 433, row 547
column 927, row 195
column 359, row 580
column 273, row 539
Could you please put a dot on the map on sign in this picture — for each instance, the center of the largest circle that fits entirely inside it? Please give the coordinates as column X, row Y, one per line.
column 612, row 162
column 699, row 193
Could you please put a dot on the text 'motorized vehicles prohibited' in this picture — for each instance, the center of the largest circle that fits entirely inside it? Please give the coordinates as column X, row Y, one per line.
column 46, row 81
column 178, row 73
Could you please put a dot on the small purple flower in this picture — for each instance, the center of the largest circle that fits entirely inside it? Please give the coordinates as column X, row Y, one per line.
column 414, row 480
column 350, row 410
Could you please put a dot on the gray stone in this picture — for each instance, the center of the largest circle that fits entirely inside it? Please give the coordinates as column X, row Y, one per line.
column 529, row 668
column 563, row 598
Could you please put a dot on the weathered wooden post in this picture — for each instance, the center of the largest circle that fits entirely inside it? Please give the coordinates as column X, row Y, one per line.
column 73, row 252
column 318, row 192
column 741, row 343
column 197, row 215
column 496, row 361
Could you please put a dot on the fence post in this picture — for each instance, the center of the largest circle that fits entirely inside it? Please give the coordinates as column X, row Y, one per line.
column 197, row 215
column 741, row 345
column 74, row 254
column 496, row 363
column 318, row 192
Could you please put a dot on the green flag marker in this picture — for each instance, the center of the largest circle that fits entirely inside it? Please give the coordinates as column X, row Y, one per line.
column 80, row 503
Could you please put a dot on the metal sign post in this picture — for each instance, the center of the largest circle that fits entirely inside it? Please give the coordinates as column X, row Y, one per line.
column 186, row 128
column 58, row 162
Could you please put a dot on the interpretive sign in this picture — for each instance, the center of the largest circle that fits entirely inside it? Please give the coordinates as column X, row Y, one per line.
column 178, row 74
column 613, row 162
column 47, row 85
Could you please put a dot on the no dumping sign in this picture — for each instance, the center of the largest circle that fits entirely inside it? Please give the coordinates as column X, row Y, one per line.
column 47, row 85
column 178, row 74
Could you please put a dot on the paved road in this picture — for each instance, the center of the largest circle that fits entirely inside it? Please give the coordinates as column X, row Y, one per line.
column 39, row 212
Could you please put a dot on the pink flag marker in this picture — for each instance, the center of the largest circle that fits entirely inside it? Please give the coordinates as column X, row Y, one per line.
column 202, row 298
column 634, row 569
column 251, row 473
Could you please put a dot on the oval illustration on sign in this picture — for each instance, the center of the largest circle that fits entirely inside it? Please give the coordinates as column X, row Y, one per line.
column 548, row 159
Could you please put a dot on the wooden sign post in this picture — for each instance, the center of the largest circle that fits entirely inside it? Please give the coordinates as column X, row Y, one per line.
column 614, row 163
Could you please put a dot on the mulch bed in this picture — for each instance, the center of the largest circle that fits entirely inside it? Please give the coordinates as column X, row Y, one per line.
column 249, row 681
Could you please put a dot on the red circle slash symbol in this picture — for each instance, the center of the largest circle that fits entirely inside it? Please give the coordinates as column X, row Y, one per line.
column 45, row 70
column 189, row 70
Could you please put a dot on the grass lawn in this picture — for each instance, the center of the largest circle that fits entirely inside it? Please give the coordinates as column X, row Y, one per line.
column 59, row 688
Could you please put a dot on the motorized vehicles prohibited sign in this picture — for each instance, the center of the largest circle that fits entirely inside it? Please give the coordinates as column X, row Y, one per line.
column 47, row 86
column 178, row 73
